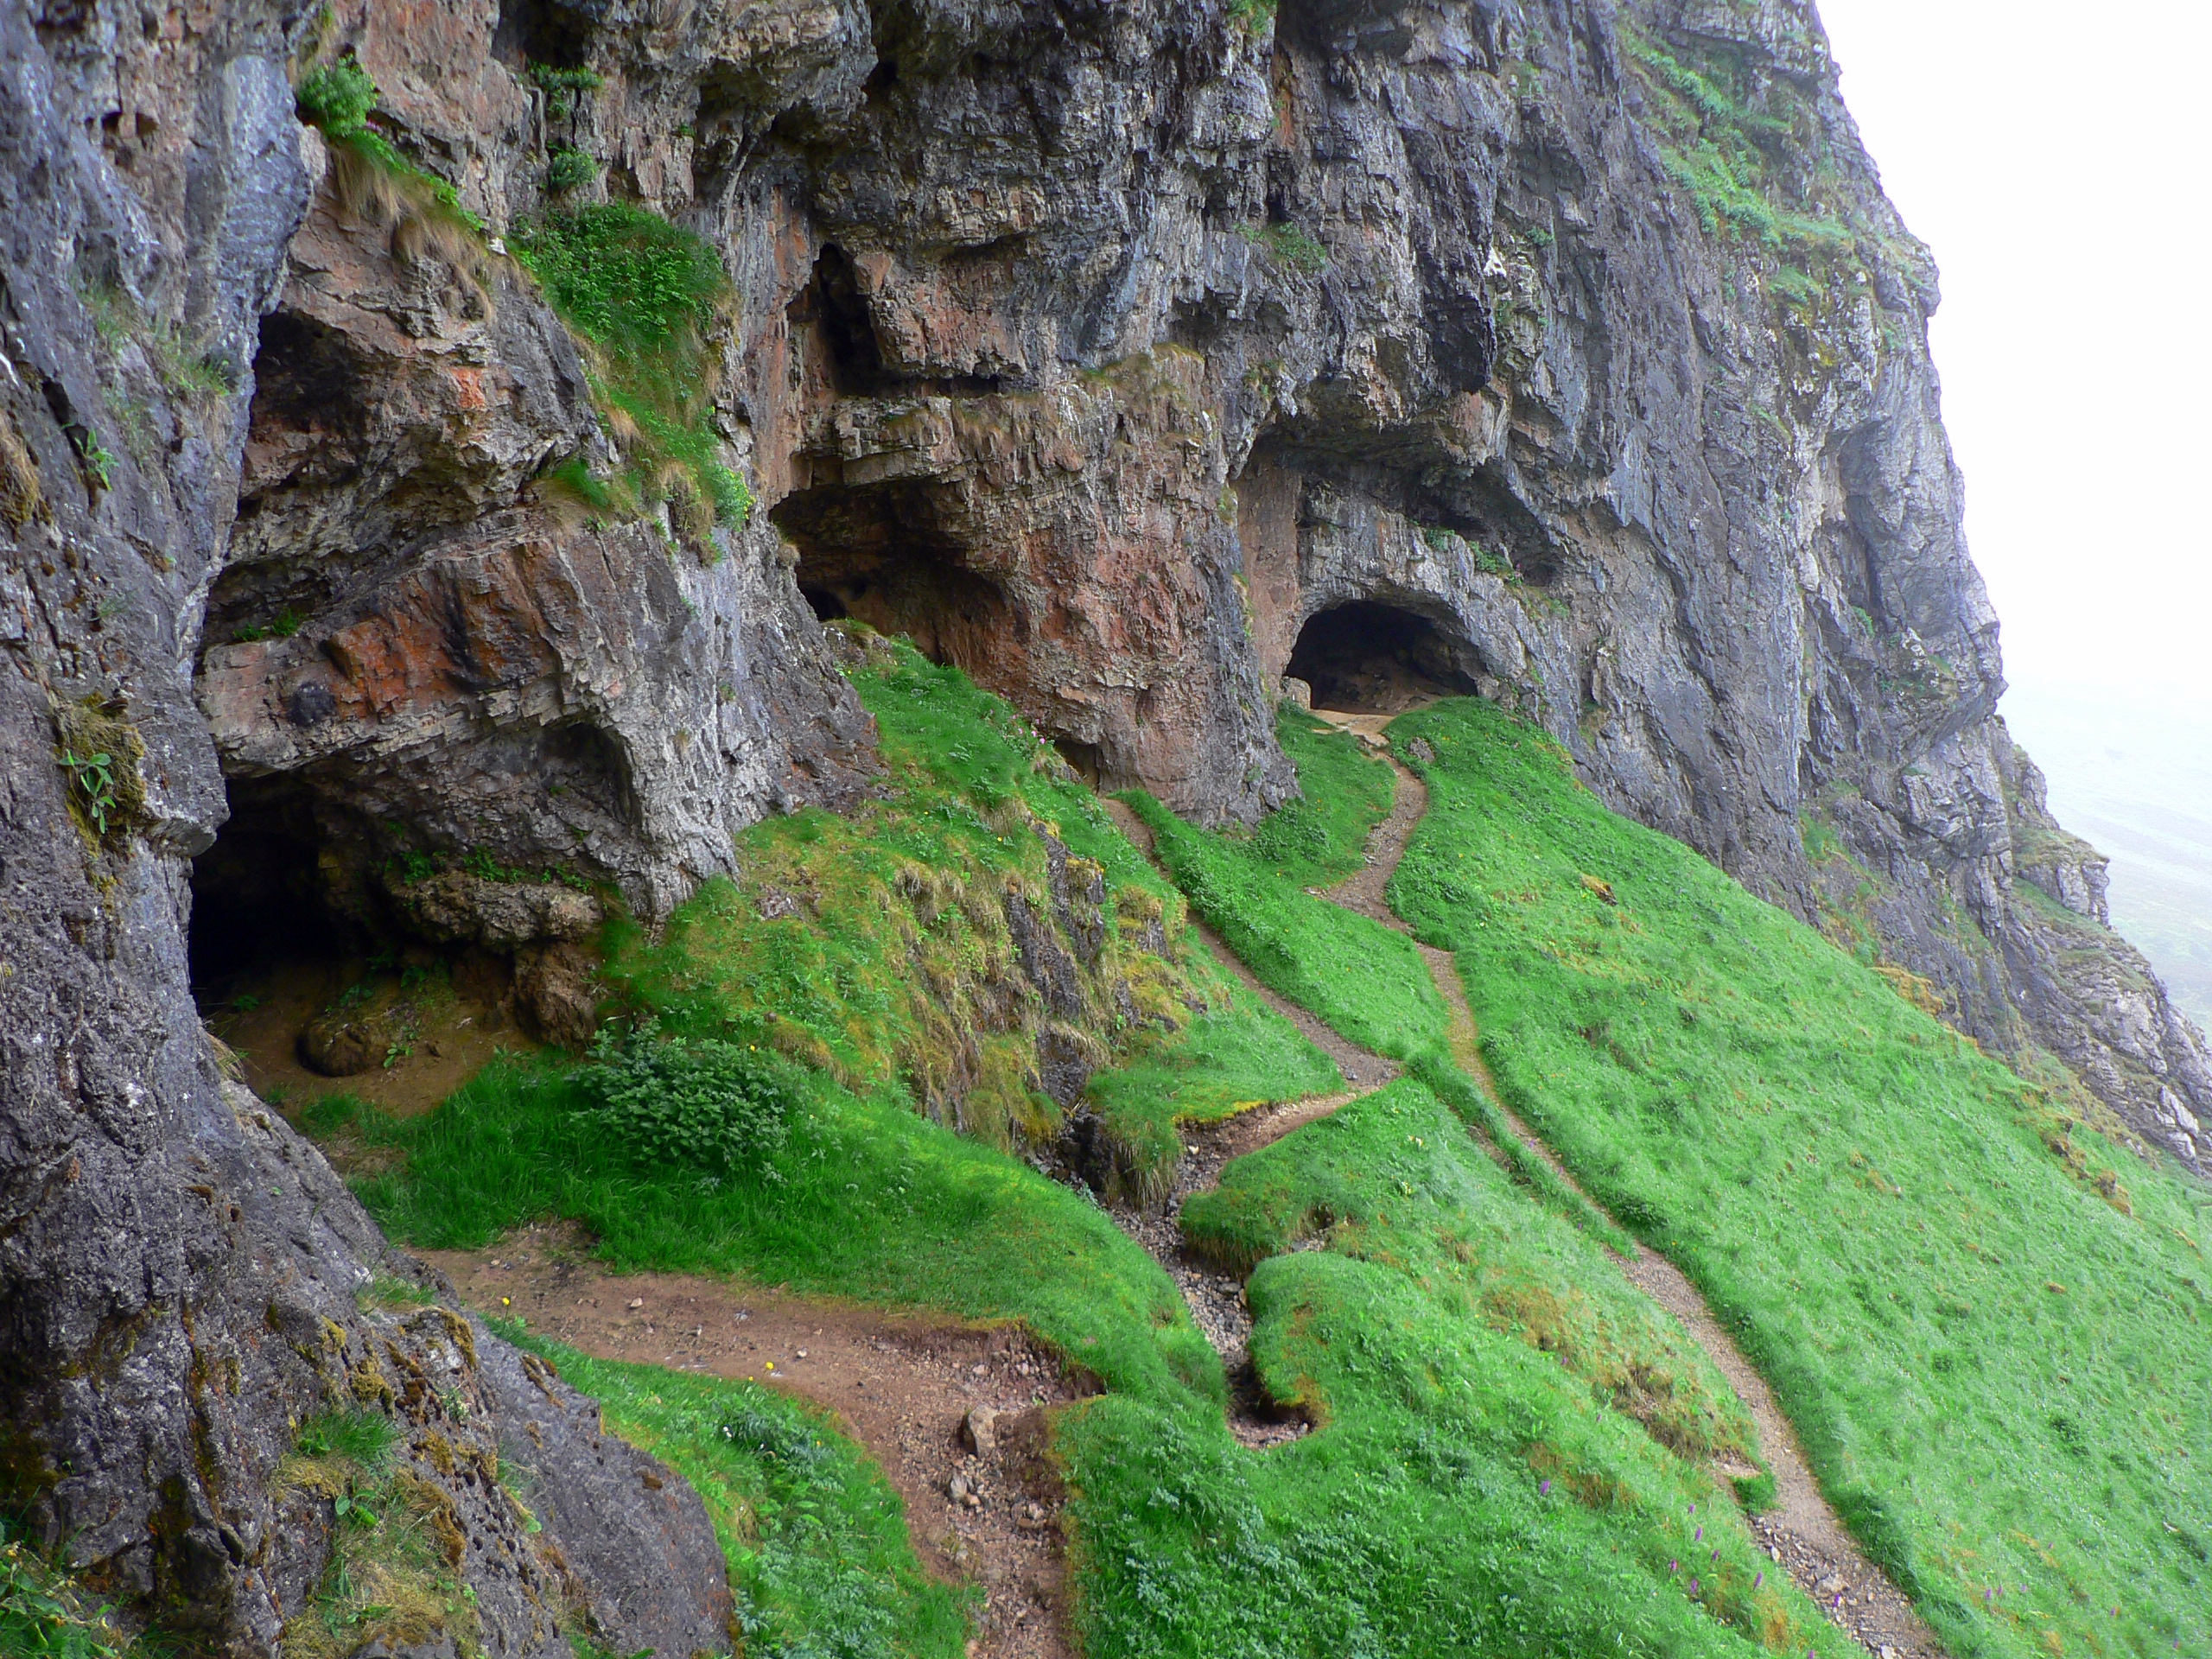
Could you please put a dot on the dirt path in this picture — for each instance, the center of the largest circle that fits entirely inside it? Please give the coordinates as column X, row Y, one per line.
column 1216, row 1297
column 913, row 1390
column 1801, row 1533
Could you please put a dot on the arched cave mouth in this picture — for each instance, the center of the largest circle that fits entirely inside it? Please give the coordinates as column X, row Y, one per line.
column 301, row 969
column 1366, row 658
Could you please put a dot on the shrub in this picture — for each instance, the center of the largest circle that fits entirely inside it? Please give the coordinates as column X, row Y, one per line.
column 570, row 170
column 560, row 88
column 337, row 97
column 703, row 1101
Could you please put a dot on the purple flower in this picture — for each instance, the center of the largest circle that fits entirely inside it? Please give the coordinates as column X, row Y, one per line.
column 1693, row 1586
column 1674, row 1567
column 1699, row 1537
column 1757, row 1578
column 1543, row 1489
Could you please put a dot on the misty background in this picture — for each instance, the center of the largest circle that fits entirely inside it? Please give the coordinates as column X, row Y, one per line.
column 2059, row 163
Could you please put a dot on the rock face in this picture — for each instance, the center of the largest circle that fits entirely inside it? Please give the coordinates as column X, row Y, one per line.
column 1147, row 359
column 181, row 1275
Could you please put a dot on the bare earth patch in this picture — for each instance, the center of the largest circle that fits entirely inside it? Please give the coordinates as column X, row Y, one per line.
column 913, row 1390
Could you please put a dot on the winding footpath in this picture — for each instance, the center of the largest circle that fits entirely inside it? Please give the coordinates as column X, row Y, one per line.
column 1801, row 1532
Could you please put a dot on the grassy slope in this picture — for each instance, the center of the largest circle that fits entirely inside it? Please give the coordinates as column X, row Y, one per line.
column 1999, row 1375
column 815, row 1536
column 1366, row 980
column 1417, row 1522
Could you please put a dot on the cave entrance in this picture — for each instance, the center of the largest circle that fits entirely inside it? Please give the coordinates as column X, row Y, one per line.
column 1370, row 658
column 875, row 555
column 299, row 968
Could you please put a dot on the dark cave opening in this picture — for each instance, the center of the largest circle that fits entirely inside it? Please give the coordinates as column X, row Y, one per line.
column 307, row 973
column 543, row 31
column 834, row 307
column 257, row 896
column 874, row 555
column 1366, row 658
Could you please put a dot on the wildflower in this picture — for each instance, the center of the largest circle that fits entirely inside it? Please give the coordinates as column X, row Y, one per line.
column 1543, row 1489
column 1698, row 1537
column 1693, row 1586
column 1674, row 1567
column 1757, row 1578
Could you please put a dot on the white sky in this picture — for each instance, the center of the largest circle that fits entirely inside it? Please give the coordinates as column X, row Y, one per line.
column 2058, row 160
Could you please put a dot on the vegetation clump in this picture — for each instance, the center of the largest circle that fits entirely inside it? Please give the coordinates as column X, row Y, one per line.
column 46, row 1614
column 1292, row 244
column 643, row 295
column 338, row 98
column 391, row 1576
column 697, row 1103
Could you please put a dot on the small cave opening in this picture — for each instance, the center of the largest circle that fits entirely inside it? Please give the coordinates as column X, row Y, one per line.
column 258, row 906
column 875, row 555
column 302, row 967
column 1087, row 759
column 543, row 31
column 1368, row 657
column 834, row 308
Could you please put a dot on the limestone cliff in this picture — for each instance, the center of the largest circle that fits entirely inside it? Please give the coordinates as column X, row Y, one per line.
column 1139, row 357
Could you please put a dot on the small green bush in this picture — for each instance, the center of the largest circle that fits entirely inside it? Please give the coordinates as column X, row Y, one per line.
column 337, row 97
column 698, row 1102
column 1293, row 246
column 570, row 170
column 561, row 85
column 44, row 1614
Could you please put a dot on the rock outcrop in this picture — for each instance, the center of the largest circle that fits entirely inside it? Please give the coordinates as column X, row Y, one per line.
column 1146, row 359
column 183, row 1282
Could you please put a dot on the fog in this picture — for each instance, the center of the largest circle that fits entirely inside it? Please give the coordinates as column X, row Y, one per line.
column 2059, row 162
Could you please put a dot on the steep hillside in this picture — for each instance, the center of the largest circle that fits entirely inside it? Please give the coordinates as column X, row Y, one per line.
column 433, row 440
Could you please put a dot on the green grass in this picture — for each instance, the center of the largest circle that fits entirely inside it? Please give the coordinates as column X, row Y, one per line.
column 1989, row 1329
column 1494, row 1471
column 1394, row 1178
column 1219, row 1064
column 644, row 295
column 1477, row 1485
column 1366, row 980
column 1319, row 837
column 1444, row 1418
column 867, row 1199
column 820, row 1563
